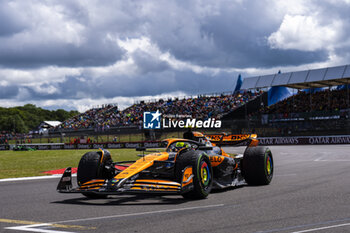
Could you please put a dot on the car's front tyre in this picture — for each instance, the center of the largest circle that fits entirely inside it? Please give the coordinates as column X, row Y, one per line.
column 91, row 167
column 201, row 169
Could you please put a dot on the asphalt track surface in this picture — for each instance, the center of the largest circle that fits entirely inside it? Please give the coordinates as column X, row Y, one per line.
column 310, row 192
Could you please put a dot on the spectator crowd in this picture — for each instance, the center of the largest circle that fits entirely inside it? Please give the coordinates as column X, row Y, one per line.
column 201, row 107
column 6, row 136
column 327, row 100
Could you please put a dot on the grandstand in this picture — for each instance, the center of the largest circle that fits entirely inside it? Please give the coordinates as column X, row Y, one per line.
column 319, row 105
column 327, row 100
column 201, row 107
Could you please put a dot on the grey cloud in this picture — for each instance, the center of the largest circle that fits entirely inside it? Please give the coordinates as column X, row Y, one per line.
column 330, row 12
column 94, row 53
column 8, row 91
column 148, row 84
column 30, row 50
column 73, row 88
column 147, row 63
column 235, row 37
column 229, row 35
column 168, row 81
column 10, row 24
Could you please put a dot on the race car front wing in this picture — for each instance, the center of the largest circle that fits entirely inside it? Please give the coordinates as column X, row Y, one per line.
column 125, row 186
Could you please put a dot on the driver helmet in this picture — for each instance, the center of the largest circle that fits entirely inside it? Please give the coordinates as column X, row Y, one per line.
column 180, row 145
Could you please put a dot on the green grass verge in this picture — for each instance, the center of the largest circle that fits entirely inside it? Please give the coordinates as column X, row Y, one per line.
column 34, row 163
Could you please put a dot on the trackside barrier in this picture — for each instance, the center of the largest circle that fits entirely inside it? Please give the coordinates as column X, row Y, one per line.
column 4, row 147
column 121, row 145
column 305, row 140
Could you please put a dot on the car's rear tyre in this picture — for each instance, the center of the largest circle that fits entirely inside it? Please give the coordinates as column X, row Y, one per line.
column 90, row 167
column 202, row 171
column 257, row 165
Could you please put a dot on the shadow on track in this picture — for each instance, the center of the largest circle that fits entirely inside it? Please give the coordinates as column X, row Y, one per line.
column 228, row 189
column 137, row 199
column 125, row 200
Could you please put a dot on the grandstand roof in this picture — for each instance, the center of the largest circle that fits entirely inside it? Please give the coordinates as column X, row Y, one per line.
column 51, row 123
column 325, row 77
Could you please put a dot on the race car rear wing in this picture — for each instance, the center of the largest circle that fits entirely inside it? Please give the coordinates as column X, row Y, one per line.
column 233, row 139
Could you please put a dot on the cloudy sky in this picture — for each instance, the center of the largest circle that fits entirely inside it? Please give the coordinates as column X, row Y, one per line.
column 77, row 54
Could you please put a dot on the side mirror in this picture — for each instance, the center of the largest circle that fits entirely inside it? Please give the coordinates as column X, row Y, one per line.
column 164, row 144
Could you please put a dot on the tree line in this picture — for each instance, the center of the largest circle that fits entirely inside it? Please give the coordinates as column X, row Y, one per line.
column 22, row 119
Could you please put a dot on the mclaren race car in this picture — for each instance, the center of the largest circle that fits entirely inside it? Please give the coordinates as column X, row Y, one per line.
column 190, row 167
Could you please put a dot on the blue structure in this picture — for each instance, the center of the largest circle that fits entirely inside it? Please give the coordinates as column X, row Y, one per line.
column 276, row 94
column 239, row 83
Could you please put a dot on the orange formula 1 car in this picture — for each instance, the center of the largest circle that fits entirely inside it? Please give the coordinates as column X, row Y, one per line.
column 191, row 167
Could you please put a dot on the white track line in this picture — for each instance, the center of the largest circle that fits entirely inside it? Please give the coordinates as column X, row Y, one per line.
column 330, row 160
column 32, row 228
column 138, row 214
column 33, row 178
column 323, row 228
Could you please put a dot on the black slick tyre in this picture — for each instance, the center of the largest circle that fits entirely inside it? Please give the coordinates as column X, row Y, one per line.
column 257, row 166
column 90, row 167
column 202, row 171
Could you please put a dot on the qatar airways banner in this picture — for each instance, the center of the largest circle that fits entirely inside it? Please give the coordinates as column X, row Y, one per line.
column 307, row 140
